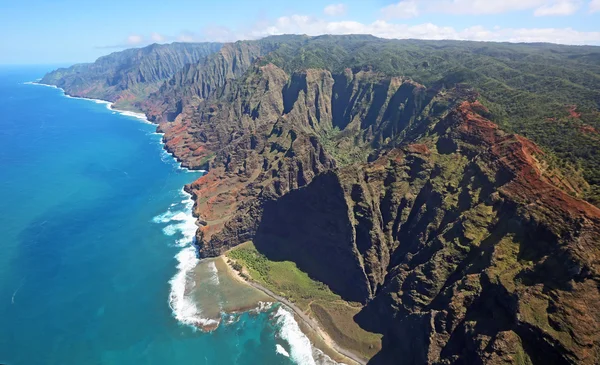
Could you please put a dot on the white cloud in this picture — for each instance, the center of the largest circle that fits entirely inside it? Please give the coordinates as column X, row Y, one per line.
column 561, row 7
column 478, row 7
column 156, row 37
column 300, row 24
column 134, row 39
column 186, row 37
column 335, row 10
column 483, row 7
column 402, row 10
column 311, row 25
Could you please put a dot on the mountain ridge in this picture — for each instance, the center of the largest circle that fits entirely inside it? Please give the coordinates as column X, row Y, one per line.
column 127, row 76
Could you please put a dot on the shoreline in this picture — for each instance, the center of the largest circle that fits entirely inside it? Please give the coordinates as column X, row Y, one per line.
column 307, row 320
column 185, row 263
column 138, row 115
column 109, row 104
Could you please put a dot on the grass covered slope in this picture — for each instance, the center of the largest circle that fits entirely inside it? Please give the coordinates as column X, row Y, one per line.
column 312, row 297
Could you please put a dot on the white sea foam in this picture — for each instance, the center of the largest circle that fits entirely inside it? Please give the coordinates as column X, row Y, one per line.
column 180, row 221
column 183, row 307
column 109, row 104
column 231, row 318
column 170, row 230
column 280, row 350
column 300, row 346
column 36, row 83
column 262, row 307
column 141, row 116
column 183, row 223
column 214, row 277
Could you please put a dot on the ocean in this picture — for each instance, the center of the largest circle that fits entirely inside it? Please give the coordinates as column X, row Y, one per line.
column 96, row 245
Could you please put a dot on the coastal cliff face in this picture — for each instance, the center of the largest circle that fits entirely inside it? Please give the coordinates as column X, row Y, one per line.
column 129, row 76
column 463, row 242
column 266, row 138
column 201, row 80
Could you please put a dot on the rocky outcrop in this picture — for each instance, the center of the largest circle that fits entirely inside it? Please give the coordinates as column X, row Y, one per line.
column 262, row 138
column 454, row 237
column 260, row 157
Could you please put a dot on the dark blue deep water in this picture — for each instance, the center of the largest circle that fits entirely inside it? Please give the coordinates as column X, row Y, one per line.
column 84, row 264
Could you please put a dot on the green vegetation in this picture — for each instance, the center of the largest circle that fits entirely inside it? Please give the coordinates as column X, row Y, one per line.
column 344, row 151
column 313, row 297
column 283, row 278
column 548, row 93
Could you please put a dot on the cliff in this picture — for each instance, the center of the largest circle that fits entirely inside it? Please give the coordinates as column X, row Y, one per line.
column 129, row 76
column 462, row 249
column 200, row 80
column 391, row 172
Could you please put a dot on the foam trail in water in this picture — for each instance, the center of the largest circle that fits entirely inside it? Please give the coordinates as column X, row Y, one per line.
column 300, row 346
column 182, row 284
column 214, row 278
column 280, row 350
column 180, row 222
column 109, row 105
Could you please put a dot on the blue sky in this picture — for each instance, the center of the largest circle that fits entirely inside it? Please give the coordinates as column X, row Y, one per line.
column 67, row 31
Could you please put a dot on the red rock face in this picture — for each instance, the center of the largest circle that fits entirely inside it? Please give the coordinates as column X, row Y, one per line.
column 520, row 157
column 509, row 272
column 419, row 148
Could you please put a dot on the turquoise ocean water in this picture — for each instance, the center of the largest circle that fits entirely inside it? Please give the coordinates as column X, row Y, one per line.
column 95, row 232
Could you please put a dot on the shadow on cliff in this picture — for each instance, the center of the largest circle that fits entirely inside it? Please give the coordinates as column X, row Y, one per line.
column 310, row 226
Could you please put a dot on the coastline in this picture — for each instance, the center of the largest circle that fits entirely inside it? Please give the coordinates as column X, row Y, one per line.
column 109, row 104
column 189, row 315
column 183, row 310
column 308, row 322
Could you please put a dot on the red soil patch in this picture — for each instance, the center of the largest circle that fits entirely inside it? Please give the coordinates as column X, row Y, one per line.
column 588, row 129
column 573, row 112
column 516, row 156
column 419, row 148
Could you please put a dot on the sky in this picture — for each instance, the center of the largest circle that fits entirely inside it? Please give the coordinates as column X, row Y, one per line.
column 69, row 31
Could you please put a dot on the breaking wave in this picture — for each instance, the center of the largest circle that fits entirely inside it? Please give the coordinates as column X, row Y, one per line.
column 181, row 222
column 300, row 348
